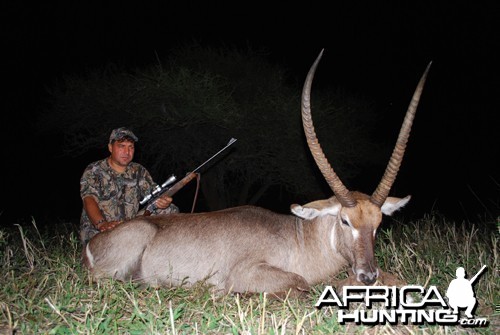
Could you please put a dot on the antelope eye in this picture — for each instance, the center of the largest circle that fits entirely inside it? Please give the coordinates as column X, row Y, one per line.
column 344, row 221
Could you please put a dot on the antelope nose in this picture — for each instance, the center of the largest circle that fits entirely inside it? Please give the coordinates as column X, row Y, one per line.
column 367, row 278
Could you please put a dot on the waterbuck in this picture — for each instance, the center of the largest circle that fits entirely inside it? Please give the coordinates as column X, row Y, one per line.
column 252, row 249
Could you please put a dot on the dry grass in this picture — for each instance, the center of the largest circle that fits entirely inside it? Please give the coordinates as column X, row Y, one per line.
column 44, row 289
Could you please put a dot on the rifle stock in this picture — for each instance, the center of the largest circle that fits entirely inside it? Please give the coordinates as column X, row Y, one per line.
column 176, row 187
column 181, row 183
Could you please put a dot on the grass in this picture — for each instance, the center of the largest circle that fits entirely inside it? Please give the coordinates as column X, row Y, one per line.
column 45, row 290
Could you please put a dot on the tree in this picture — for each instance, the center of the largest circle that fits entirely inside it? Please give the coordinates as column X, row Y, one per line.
column 188, row 106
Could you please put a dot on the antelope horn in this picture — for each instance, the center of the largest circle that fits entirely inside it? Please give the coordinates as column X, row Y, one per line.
column 382, row 191
column 331, row 177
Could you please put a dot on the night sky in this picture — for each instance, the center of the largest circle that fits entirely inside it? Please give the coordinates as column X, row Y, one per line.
column 378, row 50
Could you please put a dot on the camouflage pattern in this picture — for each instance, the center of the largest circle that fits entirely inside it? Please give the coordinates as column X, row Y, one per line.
column 117, row 194
column 121, row 133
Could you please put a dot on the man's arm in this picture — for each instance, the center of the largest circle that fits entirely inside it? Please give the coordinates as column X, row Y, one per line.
column 95, row 215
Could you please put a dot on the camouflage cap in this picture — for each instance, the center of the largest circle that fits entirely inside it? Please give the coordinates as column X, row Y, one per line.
column 120, row 133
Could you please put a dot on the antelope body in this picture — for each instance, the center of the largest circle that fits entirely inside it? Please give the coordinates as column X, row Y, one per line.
column 252, row 249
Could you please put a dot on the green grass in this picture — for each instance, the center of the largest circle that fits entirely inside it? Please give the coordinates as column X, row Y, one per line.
column 45, row 290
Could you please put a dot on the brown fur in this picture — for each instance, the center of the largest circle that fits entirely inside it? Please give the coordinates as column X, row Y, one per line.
column 242, row 249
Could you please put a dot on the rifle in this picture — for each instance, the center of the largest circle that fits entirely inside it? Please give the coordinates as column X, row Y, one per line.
column 473, row 279
column 170, row 191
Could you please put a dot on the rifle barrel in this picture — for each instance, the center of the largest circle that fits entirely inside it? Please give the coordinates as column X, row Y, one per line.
column 477, row 274
column 231, row 141
column 181, row 183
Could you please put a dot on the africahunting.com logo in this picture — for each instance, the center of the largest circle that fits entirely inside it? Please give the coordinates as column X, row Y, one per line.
column 410, row 304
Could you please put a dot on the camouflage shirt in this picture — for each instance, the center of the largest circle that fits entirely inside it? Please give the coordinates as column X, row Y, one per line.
column 117, row 194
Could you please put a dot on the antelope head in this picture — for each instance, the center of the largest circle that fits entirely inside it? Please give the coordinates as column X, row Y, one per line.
column 356, row 216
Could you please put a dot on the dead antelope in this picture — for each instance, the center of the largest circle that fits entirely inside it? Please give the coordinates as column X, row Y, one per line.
column 251, row 249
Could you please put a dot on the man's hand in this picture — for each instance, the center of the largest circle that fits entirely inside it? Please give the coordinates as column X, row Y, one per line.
column 163, row 202
column 108, row 225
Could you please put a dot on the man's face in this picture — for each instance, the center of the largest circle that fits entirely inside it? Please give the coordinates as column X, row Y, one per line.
column 122, row 152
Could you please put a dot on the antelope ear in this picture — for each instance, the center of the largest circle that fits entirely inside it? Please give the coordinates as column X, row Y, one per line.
column 393, row 204
column 316, row 208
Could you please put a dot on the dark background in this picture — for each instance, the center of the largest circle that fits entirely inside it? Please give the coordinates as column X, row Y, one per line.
column 377, row 49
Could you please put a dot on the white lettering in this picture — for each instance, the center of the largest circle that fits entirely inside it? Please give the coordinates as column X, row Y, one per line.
column 400, row 307
column 371, row 295
column 346, row 297
column 323, row 301
column 438, row 301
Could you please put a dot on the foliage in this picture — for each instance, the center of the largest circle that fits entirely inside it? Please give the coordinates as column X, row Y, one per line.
column 188, row 106
column 44, row 289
